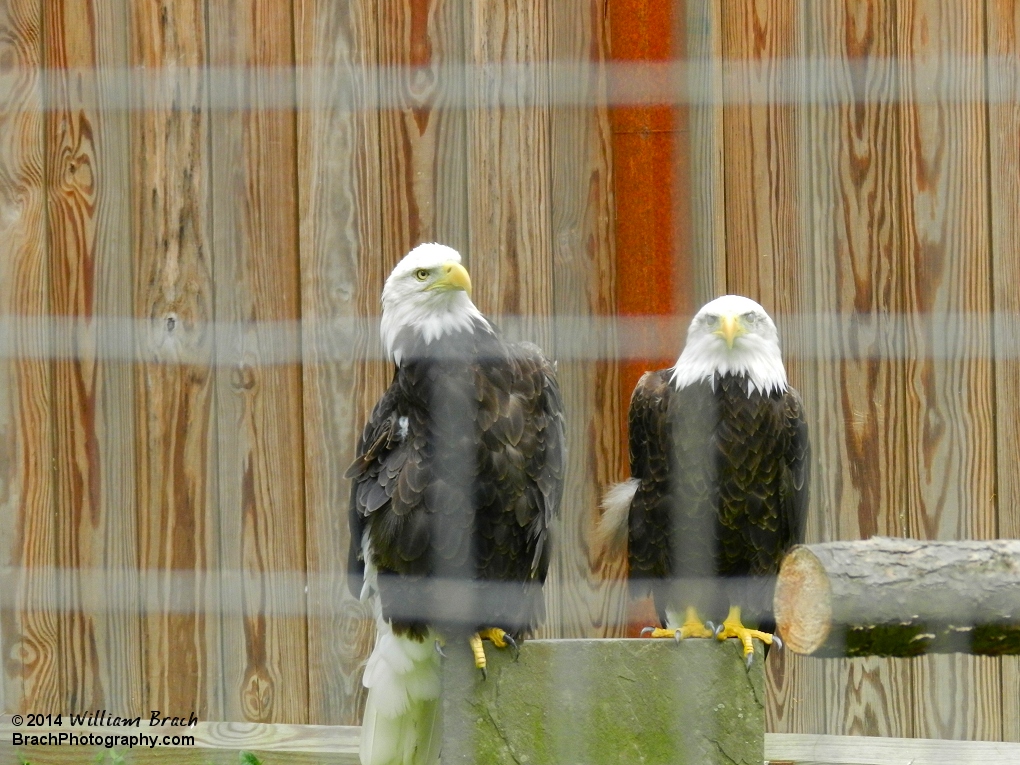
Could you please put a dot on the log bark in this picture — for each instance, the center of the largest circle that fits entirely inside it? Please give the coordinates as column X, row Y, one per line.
column 900, row 597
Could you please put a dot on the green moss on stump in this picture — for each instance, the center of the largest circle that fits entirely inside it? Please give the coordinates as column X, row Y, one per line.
column 605, row 701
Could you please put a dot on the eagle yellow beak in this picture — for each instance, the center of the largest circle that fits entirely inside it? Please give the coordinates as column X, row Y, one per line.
column 730, row 328
column 454, row 277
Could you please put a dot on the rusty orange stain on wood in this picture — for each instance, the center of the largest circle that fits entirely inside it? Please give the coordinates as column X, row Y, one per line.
column 652, row 175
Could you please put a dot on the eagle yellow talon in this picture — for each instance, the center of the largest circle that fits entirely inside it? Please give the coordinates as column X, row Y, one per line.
column 498, row 637
column 658, row 632
column 732, row 627
column 692, row 627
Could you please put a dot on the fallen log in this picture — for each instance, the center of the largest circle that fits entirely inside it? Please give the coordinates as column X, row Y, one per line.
column 900, row 597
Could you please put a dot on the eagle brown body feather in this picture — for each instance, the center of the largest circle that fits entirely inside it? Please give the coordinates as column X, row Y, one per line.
column 463, row 491
column 722, row 492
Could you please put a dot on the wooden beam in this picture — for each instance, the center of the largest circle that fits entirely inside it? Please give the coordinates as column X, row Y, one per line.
column 857, row 406
column 88, row 155
column 950, row 428
column 258, row 401
column 509, row 179
column 28, row 537
column 873, row 750
column 423, row 158
column 1003, row 19
column 767, row 213
column 178, row 520
column 215, row 743
column 584, row 601
column 340, row 238
column 219, row 743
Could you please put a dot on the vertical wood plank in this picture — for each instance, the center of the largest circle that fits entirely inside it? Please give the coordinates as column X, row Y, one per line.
column 1003, row 18
column 90, row 260
column 653, row 238
column 179, row 533
column 767, row 215
column 258, row 398
column 422, row 141
column 705, row 81
column 341, row 279
column 765, row 205
column 585, row 597
column 29, row 630
column 949, row 394
column 510, row 249
column 858, row 437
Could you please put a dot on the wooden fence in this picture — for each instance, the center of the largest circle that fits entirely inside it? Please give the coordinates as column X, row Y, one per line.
column 200, row 201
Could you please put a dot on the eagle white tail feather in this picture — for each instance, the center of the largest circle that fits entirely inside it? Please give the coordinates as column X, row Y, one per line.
column 402, row 723
column 611, row 533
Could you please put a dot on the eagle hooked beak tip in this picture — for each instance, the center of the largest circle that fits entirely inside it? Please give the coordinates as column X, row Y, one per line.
column 454, row 277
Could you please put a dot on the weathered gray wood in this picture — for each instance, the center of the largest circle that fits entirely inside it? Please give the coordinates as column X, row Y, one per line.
column 874, row 750
column 605, row 701
column 886, row 596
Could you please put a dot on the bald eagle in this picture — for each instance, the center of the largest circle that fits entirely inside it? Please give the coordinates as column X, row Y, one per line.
column 457, row 477
column 719, row 461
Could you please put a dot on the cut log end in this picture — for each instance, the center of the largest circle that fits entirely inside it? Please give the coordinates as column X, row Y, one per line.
column 803, row 602
column 900, row 597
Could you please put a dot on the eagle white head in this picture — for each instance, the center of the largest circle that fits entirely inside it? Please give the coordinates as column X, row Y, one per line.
column 428, row 292
column 732, row 335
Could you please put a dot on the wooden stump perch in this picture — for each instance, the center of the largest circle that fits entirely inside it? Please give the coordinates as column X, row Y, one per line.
column 900, row 597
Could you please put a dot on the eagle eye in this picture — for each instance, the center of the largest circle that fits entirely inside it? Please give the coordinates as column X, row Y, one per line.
column 421, row 274
column 751, row 317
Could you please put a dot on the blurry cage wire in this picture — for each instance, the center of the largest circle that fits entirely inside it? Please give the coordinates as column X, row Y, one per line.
column 826, row 336
column 807, row 80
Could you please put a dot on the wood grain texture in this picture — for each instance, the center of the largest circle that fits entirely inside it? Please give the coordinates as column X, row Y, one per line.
column 90, row 263
column 958, row 695
column 342, row 274
column 949, row 396
column 173, row 292
column 767, row 238
column 258, row 400
column 870, row 696
column 858, row 438
column 874, row 750
column 947, row 269
column 423, row 159
column 584, row 598
column 708, row 228
column 510, row 250
column 763, row 172
column 1003, row 20
column 28, row 535
column 795, row 693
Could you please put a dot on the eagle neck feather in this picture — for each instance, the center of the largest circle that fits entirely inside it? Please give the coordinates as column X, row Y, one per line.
column 405, row 324
column 758, row 361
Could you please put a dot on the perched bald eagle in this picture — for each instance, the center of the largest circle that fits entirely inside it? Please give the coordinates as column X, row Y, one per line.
column 458, row 475
column 719, row 478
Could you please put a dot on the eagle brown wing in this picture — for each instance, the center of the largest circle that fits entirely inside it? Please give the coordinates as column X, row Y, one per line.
column 651, row 461
column 458, row 475
column 722, row 492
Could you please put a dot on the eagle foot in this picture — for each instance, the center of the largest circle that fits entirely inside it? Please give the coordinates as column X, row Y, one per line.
column 732, row 627
column 692, row 627
column 498, row 637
